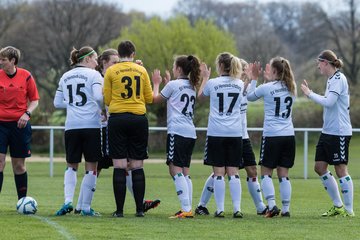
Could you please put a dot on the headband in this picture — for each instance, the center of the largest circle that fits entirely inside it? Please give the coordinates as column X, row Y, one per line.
column 91, row 52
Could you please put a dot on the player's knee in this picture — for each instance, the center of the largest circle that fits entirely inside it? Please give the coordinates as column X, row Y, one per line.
column 251, row 171
column 19, row 168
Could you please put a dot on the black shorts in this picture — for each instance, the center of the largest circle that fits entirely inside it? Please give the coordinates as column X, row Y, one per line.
column 105, row 161
column 333, row 149
column 128, row 136
column 277, row 152
column 85, row 141
column 179, row 150
column 223, row 151
column 17, row 139
column 248, row 156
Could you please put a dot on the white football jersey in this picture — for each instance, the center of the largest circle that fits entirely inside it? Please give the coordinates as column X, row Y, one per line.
column 278, row 102
column 337, row 117
column 81, row 90
column 180, row 96
column 225, row 94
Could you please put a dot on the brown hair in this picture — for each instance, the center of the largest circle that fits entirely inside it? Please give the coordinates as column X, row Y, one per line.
column 284, row 72
column 105, row 56
column 10, row 52
column 331, row 58
column 230, row 64
column 77, row 56
column 126, row 48
column 189, row 65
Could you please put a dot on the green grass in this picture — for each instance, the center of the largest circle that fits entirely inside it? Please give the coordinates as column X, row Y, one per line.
column 309, row 200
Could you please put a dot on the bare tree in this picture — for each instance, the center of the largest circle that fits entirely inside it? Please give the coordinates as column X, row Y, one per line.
column 255, row 36
column 50, row 29
column 9, row 10
column 345, row 35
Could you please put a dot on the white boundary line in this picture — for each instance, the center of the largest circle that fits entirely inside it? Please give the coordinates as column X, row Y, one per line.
column 57, row 227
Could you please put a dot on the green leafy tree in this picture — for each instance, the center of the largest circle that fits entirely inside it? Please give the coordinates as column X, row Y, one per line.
column 158, row 41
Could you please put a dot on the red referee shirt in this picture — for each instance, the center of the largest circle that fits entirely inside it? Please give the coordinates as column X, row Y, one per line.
column 15, row 93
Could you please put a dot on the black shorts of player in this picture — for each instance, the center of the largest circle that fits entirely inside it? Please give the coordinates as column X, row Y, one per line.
column 85, row 141
column 17, row 139
column 128, row 136
column 333, row 149
column 277, row 152
column 105, row 161
column 223, row 151
column 179, row 150
column 248, row 156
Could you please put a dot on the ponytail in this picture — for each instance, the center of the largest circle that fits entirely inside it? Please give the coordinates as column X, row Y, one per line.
column 190, row 66
column 284, row 73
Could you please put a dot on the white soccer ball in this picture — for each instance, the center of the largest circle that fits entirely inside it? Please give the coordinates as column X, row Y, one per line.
column 26, row 205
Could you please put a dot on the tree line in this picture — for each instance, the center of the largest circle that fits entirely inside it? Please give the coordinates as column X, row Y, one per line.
column 45, row 31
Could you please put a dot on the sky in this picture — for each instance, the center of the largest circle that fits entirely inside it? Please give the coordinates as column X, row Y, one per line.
column 164, row 7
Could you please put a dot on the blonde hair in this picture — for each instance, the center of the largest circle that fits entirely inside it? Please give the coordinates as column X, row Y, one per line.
column 244, row 76
column 229, row 64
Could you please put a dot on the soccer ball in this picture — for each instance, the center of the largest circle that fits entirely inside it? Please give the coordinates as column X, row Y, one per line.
column 26, row 205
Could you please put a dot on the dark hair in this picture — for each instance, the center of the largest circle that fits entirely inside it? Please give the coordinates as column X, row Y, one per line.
column 77, row 56
column 331, row 58
column 126, row 48
column 105, row 56
column 230, row 64
column 189, row 65
column 284, row 72
column 10, row 52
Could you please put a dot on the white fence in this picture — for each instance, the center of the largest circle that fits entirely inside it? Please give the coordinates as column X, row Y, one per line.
column 203, row 129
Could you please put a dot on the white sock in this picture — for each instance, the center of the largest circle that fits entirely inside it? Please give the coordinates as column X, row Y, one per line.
column 207, row 191
column 267, row 186
column 70, row 179
column 332, row 189
column 79, row 202
column 347, row 189
column 88, row 186
column 235, row 192
column 255, row 192
column 190, row 188
column 129, row 182
column 182, row 191
column 285, row 194
column 219, row 193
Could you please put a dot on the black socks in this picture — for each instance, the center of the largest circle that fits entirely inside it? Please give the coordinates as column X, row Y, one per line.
column 21, row 182
column 119, row 187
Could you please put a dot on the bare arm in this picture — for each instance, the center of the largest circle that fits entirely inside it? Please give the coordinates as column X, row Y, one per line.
column 156, row 79
column 25, row 117
column 205, row 74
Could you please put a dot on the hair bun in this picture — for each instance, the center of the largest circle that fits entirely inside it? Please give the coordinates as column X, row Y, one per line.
column 190, row 57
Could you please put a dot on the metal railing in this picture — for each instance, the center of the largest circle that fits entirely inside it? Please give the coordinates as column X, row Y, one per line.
column 198, row 129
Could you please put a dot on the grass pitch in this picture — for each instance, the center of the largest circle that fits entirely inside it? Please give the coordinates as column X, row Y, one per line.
column 309, row 200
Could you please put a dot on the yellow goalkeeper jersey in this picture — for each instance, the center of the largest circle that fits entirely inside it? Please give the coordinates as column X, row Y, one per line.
column 127, row 88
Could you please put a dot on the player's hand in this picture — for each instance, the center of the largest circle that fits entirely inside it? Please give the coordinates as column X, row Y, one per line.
column 167, row 77
column 305, row 88
column 156, row 77
column 205, row 71
column 267, row 73
column 23, row 121
column 253, row 71
column 139, row 62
